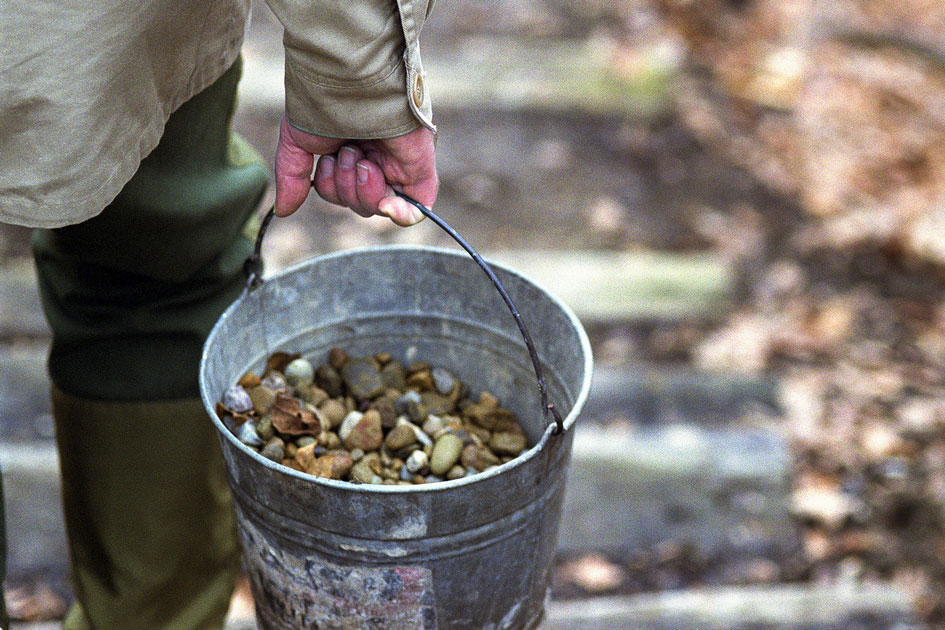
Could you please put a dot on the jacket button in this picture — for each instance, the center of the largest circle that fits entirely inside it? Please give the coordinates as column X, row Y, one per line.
column 418, row 90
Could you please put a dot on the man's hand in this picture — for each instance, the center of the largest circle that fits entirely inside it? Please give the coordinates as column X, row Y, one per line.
column 359, row 174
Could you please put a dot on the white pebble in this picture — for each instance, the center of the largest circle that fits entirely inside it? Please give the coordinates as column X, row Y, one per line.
column 348, row 424
column 237, row 399
column 422, row 437
column 249, row 436
column 416, row 461
column 299, row 373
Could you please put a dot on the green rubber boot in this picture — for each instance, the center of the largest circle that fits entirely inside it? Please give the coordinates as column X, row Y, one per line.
column 152, row 535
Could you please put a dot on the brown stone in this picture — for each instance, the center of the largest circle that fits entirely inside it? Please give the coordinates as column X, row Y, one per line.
column 508, row 443
column 332, row 466
column 362, row 379
column 465, row 436
column 329, row 379
column 363, row 471
column 385, row 406
column 507, row 423
column 478, row 457
column 368, row 433
column 305, row 456
column 333, row 411
column 489, row 418
column 330, row 440
column 399, row 437
column 313, row 394
column 436, row 404
column 337, row 358
column 393, row 375
column 421, row 381
column 264, row 428
column 417, row 366
column 249, row 380
column 483, row 434
column 263, row 399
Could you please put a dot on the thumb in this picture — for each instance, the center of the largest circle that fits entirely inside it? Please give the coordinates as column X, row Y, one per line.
column 293, row 172
column 399, row 210
column 423, row 187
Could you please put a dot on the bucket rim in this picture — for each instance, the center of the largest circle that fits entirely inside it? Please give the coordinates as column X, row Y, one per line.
column 521, row 460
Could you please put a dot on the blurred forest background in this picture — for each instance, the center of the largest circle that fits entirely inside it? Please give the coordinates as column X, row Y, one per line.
column 763, row 182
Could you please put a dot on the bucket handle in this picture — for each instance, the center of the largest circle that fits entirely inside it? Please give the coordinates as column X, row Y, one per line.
column 253, row 270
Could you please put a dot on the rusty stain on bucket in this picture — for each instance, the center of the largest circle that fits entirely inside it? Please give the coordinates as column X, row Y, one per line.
column 304, row 592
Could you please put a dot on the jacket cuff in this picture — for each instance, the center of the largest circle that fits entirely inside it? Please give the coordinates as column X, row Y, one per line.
column 327, row 92
column 369, row 108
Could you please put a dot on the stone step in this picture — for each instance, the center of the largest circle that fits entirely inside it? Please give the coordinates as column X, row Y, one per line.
column 648, row 394
column 507, row 73
column 721, row 491
column 600, row 286
column 25, row 411
column 21, row 314
column 620, row 286
column 724, row 492
column 782, row 606
column 642, row 394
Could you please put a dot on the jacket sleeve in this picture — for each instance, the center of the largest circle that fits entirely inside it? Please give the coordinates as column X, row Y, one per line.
column 352, row 67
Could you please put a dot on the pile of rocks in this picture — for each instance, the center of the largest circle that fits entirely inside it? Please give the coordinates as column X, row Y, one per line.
column 369, row 420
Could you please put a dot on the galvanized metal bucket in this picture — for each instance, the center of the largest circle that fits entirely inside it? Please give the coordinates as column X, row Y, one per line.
column 470, row 553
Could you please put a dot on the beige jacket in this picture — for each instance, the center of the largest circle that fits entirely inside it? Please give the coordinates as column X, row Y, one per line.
column 86, row 86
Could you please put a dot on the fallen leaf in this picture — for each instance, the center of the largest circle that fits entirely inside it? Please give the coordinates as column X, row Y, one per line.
column 290, row 418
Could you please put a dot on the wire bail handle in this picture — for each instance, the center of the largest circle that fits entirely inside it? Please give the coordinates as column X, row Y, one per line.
column 253, row 270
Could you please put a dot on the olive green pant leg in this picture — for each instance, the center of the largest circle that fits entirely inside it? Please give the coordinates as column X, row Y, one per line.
column 151, row 530
column 130, row 296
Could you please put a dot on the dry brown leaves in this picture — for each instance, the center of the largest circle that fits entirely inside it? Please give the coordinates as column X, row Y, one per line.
column 290, row 417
